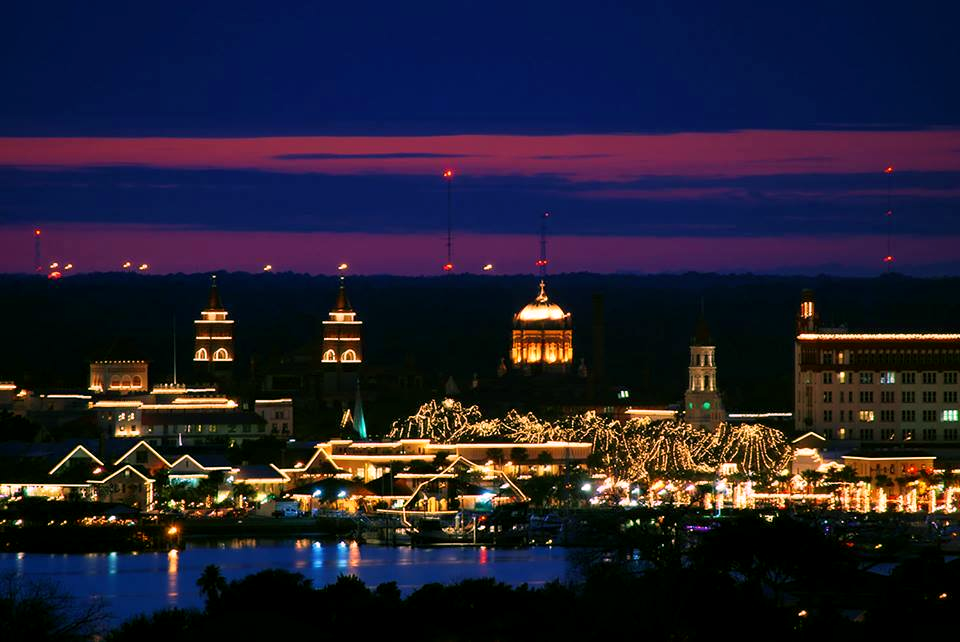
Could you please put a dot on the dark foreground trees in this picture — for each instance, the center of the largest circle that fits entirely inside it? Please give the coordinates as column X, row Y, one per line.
column 665, row 577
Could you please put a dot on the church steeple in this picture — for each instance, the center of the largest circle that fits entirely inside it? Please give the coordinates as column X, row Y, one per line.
column 341, row 333
column 213, row 301
column 703, row 405
column 214, row 332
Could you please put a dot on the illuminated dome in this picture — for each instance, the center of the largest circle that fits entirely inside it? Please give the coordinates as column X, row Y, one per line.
column 541, row 309
column 542, row 335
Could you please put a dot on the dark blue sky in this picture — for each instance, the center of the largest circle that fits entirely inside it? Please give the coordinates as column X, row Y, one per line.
column 384, row 70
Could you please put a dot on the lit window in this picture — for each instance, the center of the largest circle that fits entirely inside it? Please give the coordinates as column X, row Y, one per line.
column 623, row 394
column 866, row 415
column 201, row 355
column 950, row 415
column 221, row 354
column 888, row 377
column 348, row 355
column 842, row 377
column 330, row 356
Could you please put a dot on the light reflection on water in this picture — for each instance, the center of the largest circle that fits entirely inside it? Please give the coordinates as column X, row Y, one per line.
column 133, row 583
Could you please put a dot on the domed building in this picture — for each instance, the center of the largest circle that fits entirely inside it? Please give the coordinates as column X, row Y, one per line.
column 542, row 336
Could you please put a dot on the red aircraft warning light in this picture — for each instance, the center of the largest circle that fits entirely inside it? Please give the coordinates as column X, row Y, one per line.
column 888, row 170
column 448, row 173
column 36, row 232
column 447, row 267
column 542, row 262
column 888, row 258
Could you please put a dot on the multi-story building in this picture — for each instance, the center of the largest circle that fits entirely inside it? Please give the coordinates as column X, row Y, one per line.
column 278, row 415
column 881, row 387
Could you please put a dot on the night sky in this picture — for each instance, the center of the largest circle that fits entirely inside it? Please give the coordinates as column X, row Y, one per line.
column 666, row 136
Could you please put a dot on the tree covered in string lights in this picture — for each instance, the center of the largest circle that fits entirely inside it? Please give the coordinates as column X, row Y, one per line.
column 437, row 421
column 634, row 450
column 754, row 448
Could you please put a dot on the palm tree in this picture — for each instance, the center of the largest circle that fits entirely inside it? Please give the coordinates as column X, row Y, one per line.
column 812, row 477
column 212, row 583
column 519, row 456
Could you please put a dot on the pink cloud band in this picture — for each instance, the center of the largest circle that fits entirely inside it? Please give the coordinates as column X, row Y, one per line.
column 612, row 157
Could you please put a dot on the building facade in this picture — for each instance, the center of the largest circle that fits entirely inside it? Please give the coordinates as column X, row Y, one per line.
column 542, row 336
column 881, row 387
column 118, row 376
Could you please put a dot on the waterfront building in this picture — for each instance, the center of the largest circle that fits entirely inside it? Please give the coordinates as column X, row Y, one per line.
column 542, row 336
column 703, row 406
column 181, row 420
column 213, row 347
column 119, row 376
column 875, row 387
column 895, row 464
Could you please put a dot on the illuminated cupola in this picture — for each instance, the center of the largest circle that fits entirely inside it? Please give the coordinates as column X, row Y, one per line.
column 807, row 319
column 542, row 336
column 704, row 408
column 214, row 344
column 341, row 333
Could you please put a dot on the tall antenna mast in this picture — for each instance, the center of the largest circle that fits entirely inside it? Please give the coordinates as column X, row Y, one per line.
column 448, row 175
column 888, row 257
column 37, row 258
column 542, row 261
column 174, row 350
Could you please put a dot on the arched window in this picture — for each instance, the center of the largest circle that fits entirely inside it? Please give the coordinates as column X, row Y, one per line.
column 706, row 382
column 348, row 355
column 201, row 355
column 221, row 354
column 115, row 381
column 126, row 383
column 330, row 356
column 137, row 382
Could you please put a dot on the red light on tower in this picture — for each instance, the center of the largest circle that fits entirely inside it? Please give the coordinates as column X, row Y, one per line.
column 542, row 262
column 888, row 258
column 447, row 267
column 448, row 173
column 36, row 232
column 888, row 170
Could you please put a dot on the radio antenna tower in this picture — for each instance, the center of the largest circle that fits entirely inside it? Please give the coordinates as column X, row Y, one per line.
column 448, row 176
column 37, row 256
column 542, row 261
column 888, row 257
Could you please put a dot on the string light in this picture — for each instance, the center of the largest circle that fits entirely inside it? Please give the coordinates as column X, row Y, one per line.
column 638, row 449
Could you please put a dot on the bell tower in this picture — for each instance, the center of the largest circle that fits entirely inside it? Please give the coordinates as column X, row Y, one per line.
column 703, row 407
column 213, row 348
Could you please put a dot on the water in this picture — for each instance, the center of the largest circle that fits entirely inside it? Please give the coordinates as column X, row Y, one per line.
column 132, row 583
